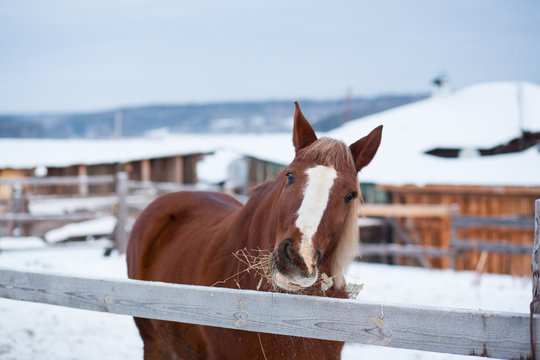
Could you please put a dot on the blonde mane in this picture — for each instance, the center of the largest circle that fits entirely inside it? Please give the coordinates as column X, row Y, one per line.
column 348, row 245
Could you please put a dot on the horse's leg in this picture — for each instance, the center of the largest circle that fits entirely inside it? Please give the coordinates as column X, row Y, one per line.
column 152, row 348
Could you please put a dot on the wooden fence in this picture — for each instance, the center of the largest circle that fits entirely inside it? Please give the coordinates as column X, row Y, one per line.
column 122, row 202
column 474, row 201
column 447, row 330
column 463, row 248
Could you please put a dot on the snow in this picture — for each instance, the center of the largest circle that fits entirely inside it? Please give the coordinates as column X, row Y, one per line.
column 70, row 205
column 29, row 330
column 54, row 152
column 14, row 242
column 481, row 115
column 101, row 226
column 61, row 152
column 275, row 148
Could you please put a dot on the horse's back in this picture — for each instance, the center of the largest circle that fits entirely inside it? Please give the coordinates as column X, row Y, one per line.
column 173, row 227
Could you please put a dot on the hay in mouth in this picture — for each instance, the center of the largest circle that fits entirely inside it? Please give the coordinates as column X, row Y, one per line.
column 261, row 263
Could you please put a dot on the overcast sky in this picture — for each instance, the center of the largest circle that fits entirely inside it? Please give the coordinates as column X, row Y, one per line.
column 100, row 54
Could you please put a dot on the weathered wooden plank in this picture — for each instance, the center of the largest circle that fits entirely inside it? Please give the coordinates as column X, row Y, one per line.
column 536, row 260
column 122, row 212
column 466, row 189
column 171, row 186
column 63, row 180
column 496, row 246
column 27, row 217
column 401, row 210
column 478, row 221
column 98, row 243
column 405, row 250
column 482, row 333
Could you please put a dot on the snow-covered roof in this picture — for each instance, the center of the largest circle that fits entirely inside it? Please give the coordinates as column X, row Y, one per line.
column 478, row 116
column 29, row 153
column 481, row 115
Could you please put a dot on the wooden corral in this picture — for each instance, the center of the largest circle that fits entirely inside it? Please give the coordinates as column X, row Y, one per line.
column 127, row 199
column 179, row 169
column 479, row 201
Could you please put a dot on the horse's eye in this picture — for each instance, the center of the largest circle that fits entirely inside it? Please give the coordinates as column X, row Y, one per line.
column 349, row 197
column 290, row 178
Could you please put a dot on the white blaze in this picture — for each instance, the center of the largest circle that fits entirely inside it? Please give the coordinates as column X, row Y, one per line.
column 320, row 180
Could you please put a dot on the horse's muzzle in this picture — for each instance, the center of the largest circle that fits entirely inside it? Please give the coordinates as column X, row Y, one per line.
column 291, row 272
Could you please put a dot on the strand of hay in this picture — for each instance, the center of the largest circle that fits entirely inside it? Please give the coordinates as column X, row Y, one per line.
column 260, row 263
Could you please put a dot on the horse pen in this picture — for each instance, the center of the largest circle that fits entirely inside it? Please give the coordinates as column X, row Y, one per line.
column 447, row 330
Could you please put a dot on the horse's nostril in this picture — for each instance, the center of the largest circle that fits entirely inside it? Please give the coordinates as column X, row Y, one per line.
column 285, row 250
column 318, row 253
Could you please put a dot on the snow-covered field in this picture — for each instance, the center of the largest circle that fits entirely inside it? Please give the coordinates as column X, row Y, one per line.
column 37, row 331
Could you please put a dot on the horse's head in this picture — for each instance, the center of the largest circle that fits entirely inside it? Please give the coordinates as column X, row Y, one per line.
column 318, row 208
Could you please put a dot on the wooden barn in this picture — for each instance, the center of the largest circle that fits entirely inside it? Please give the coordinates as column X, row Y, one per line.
column 172, row 159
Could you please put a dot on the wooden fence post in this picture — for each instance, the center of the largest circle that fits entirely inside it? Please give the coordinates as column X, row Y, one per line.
column 453, row 235
column 536, row 259
column 17, row 206
column 120, row 233
column 83, row 180
column 535, row 267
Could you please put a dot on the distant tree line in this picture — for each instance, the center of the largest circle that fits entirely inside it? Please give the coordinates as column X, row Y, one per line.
column 240, row 117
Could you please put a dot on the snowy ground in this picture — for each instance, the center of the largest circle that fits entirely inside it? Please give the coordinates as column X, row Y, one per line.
column 37, row 331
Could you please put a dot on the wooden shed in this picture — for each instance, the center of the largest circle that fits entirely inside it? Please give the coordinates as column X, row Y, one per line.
column 167, row 160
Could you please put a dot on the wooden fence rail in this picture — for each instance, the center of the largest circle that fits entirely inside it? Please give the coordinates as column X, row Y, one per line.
column 28, row 217
column 497, row 246
column 457, row 246
column 455, row 331
column 60, row 180
column 119, row 203
column 409, row 211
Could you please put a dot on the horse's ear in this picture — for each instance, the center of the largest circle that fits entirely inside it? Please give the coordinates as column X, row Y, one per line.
column 303, row 134
column 364, row 149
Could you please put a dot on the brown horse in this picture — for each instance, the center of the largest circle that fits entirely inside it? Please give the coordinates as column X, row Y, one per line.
column 305, row 221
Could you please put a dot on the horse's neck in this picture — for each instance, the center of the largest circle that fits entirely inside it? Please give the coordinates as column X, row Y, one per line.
column 257, row 217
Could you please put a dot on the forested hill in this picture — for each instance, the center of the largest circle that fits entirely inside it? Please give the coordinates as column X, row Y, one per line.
column 238, row 117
